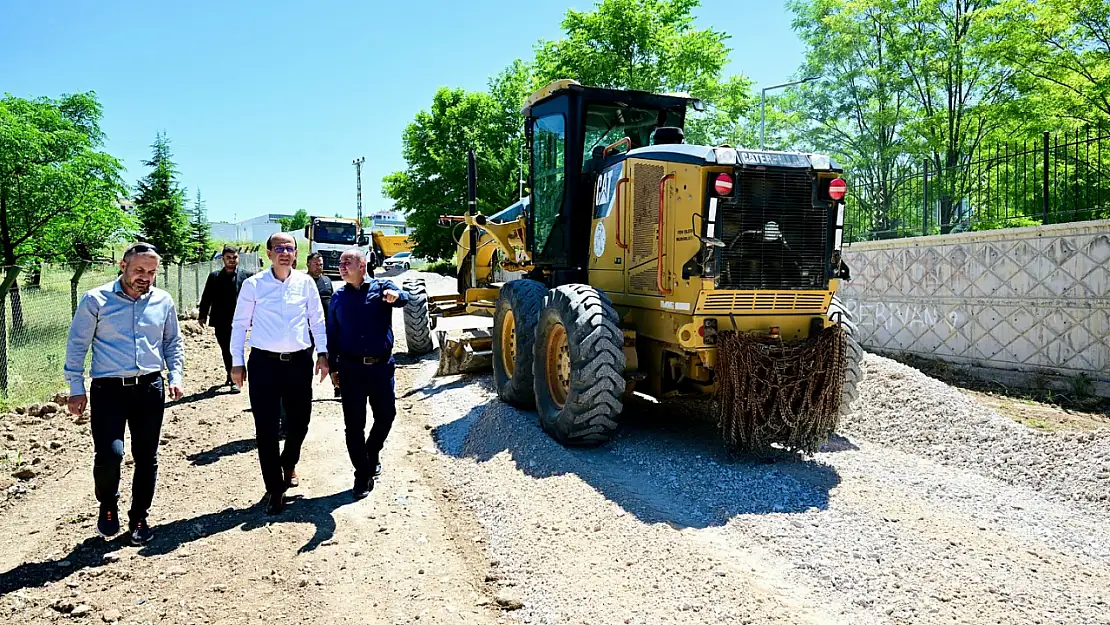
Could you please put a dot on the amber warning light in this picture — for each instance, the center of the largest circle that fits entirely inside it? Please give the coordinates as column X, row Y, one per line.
column 838, row 189
column 723, row 184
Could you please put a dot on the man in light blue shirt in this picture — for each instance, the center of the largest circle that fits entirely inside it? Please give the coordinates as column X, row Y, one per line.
column 132, row 329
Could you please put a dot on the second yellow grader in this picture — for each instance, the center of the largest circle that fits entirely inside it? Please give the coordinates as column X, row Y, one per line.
column 643, row 264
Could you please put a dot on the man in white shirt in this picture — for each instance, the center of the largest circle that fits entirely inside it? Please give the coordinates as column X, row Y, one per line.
column 279, row 307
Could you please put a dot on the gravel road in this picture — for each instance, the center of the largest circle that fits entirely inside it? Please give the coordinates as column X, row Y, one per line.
column 926, row 508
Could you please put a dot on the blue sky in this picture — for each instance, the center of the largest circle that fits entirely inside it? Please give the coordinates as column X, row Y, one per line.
column 267, row 104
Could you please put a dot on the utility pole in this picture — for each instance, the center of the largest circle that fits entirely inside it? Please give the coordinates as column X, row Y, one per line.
column 358, row 178
column 763, row 103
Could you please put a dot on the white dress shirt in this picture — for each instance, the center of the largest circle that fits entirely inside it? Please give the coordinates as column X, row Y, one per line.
column 278, row 314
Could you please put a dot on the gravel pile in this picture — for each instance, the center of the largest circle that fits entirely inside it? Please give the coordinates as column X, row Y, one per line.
column 903, row 408
column 902, row 518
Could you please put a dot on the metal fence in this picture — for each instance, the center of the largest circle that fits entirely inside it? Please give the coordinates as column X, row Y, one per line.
column 1054, row 179
column 37, row 304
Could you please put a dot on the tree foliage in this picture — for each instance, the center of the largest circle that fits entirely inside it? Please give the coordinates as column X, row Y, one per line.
column 435, row 149
column 160, row 204
column 295, row 223
column 58, row 191
column 649, row 45
column 200, row 230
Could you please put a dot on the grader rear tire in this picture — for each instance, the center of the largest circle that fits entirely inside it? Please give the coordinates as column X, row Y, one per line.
column 418, row 331
column 579, row 366
column 514, row 334
column 853, row 355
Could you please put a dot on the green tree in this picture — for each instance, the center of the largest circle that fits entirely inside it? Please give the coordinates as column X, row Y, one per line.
column 861, row 108
column 201, row 231
column 295, row 223
column 433, row 182
column 160, row 204
column 1062, row 51
column 58, row 190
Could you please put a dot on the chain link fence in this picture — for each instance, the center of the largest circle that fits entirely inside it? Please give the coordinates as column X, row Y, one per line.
column 37, row 305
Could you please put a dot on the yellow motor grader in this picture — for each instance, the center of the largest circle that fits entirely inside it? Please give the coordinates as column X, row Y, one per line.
column 644, row 264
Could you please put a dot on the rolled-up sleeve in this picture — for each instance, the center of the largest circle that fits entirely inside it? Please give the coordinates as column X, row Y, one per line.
column 244, row 314
column 81, row 331
column 173, row 347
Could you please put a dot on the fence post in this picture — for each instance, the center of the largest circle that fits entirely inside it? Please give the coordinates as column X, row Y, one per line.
column 9, row 279
column 1044, row 183
column 196, row 281
column 166, row 278
column 180, row 293
column 81, row 266
column 925, row 200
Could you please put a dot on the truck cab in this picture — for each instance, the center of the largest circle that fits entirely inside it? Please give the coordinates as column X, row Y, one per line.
column 331, row 236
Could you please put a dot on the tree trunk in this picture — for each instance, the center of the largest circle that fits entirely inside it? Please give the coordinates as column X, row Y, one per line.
column 9, row 280
column 18, row 322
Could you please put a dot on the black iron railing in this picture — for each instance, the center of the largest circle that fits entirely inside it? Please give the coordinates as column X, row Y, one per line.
column 1054, row 179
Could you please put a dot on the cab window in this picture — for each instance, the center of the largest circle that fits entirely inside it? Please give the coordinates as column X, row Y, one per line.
column 548, row 154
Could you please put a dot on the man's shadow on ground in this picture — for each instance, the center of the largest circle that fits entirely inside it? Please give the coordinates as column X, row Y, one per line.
column 168, row 537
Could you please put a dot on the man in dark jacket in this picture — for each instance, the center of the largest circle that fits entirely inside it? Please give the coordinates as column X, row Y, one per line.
column 217, row 303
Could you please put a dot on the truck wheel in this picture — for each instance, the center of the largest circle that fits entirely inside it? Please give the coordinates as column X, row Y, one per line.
column 514, row 334
column 418, row 332
column 579, row 366
column 853, row 355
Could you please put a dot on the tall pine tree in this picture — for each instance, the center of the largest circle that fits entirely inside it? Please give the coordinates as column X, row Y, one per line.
column 160, row 204
column 200, row 230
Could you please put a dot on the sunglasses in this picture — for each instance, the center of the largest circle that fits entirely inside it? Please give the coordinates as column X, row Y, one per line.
column 284, row 249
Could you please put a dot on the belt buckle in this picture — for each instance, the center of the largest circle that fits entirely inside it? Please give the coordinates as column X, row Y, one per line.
column 131, row 381
column 369, row 360
column 285, row 357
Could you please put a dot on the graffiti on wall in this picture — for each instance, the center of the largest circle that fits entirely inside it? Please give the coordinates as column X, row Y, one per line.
column 889, row 317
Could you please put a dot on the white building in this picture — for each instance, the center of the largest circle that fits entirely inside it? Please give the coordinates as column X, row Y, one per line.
column 255, row 229
column 388, row 222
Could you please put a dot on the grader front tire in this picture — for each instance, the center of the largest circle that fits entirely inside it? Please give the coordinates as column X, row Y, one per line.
column 418, row 331
column 514, row 334
column 579, row 366
column 853, row 355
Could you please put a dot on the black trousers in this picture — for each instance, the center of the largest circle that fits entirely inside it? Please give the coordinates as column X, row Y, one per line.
column 139, row 408
column 364, row 384
column 274, row 384
column 223, row 337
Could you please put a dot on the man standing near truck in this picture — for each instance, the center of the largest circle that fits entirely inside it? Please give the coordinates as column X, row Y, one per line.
column 360, row 332
column 324, row 286
column 217, row 304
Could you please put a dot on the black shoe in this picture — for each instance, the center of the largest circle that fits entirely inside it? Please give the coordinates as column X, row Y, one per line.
column 235, row 390
column 141, row 533
column 108, row 523
column 362, row 489
column 275, row 503
column 378, row 470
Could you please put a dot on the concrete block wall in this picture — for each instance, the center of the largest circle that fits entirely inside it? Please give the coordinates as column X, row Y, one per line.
column 1029, row 300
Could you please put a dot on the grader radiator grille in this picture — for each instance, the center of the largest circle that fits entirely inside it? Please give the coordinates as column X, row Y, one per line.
column 775, row 238
column 645, row 212
column 722, row 302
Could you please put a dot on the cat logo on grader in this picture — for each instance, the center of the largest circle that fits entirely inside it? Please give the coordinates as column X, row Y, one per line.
column 642, row 263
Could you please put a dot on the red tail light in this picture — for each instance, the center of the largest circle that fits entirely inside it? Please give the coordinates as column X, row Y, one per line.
column 723, row 184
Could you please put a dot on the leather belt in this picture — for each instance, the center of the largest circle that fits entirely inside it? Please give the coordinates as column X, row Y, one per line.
column 365, row 360
column 282, row 356
column 131, row 381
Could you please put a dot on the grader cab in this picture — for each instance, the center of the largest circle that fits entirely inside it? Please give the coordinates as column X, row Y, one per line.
column 642, row 263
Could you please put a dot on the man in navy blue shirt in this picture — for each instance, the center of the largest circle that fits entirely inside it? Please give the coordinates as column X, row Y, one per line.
column 360, row 331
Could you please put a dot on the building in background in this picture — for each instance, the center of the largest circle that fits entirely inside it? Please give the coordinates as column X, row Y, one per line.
column 388, row 222
column 255, row 229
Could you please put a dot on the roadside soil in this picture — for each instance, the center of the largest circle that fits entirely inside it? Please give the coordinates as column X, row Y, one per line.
column 925, row 508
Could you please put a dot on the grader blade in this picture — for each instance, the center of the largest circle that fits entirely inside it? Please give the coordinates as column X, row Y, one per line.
column 464, row 351
column 774, row 395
